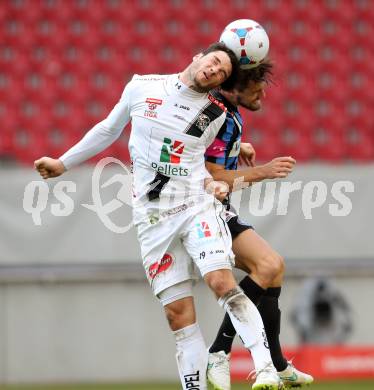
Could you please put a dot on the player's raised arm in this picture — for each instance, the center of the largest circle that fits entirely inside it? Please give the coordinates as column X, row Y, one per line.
column 95, row 141
column 278, row 168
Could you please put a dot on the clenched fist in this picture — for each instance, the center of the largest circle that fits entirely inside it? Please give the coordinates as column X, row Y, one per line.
column 278, row 168
column 49, row 167
column 219, row 189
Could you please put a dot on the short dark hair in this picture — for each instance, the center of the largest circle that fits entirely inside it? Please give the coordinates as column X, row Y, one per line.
column 233, row 78
column 261, row 73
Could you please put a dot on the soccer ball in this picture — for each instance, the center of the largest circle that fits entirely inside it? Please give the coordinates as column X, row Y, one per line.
column 248, row 40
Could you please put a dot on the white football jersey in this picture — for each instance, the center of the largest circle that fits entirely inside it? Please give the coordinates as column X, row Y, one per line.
column 172, row 126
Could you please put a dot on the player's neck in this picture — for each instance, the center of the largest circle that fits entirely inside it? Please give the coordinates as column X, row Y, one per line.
column 187, row 79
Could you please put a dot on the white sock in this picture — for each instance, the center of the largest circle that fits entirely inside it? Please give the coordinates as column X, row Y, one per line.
column 192, row 357
column 247, row 322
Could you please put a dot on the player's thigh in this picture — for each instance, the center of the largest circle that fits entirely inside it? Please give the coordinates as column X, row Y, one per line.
column 207, row 239
column 168, row 267
column 251, row 251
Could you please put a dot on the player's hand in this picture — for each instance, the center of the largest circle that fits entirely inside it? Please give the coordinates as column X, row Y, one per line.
column 49, row 167
column 278, row 168
column 247, row 154
column 219, row 189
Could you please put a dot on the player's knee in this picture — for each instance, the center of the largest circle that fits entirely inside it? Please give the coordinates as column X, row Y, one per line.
column 220, row 282
column 270, row 267
column 179, row 315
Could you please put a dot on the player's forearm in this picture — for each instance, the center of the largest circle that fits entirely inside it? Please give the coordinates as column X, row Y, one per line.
column 94, row 142
column 242, row 176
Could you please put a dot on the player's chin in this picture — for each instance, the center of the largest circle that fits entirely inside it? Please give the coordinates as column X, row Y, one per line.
column 254, row 106
column 203, row 85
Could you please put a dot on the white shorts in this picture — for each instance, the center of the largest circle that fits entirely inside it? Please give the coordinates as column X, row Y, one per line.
column 174, row 247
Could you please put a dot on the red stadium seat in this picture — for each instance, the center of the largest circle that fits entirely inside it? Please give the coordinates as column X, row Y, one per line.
column 300, row 87
column 108, row 59
column 183, row 10
column 76, row 59
column 151, row 10
column 8, row 122
column 329, row 145
column 362, row 31
column 105, row 87
column 296, row 142
column 11, row 88
column 73, row 88
column 360, row 143
column 266, row 142
column 342, row 10
column 240, row 7
column 331, row 115
column 300, row 31
column 335, row 32
column 115, row 34
column 302, row 57
column 13, row 61
column 278, row 10
column 302, row 10
column 15, row 33
column 172, row 59
column 278, row 37
column 263, row 130
column 27, row 141
column 332, row 87
column 58, row 141
column 361, row 87
column 333, row 59
column 49, row 33
column 362, row 59
column 173, row 32
column 80, row 33
column 40, row 88
column 142, row 60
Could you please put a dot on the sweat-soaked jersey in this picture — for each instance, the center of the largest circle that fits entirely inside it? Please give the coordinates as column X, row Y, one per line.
column 172, row 126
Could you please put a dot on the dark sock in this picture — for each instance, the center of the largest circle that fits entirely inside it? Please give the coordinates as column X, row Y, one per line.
column 252, row 290
column 271, row 316
column 227, row 332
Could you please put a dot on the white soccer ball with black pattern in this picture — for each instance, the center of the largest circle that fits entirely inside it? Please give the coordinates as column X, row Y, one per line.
column 248, row 40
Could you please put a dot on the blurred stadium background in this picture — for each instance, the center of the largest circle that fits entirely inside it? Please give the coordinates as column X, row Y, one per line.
column 74, row 304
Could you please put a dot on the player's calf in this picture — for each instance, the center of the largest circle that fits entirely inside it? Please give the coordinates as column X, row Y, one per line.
column 191, row 356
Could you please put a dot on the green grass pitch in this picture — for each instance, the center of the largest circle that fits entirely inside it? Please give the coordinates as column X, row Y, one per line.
column 344, row 385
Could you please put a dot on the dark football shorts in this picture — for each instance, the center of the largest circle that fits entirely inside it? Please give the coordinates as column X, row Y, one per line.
column 235, row 224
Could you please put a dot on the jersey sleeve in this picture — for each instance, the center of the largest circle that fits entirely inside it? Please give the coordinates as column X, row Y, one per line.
column 103, row 134
column 216, row 152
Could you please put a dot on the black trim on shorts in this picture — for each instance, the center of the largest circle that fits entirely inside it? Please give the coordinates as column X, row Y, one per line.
column 237, row 226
